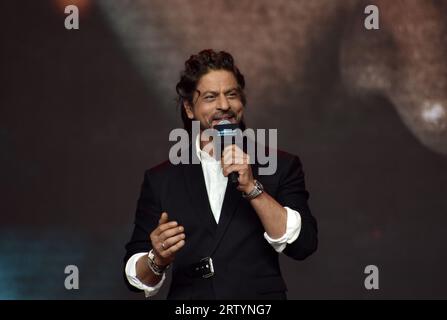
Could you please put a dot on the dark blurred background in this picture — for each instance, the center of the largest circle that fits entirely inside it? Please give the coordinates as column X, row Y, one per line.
column 84, row 112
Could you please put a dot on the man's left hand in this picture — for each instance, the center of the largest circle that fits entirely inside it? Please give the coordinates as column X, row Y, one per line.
column 235, row 160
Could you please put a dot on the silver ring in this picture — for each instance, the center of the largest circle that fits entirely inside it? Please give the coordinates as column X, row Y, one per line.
column 163, row 245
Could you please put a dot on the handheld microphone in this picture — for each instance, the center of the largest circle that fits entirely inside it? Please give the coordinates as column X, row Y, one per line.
column 227, row 129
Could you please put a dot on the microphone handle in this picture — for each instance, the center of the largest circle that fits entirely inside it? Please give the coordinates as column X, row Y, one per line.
column 234, row 176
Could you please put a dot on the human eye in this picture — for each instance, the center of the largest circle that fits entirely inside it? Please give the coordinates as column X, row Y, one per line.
column 209, row 97
column 232, row 95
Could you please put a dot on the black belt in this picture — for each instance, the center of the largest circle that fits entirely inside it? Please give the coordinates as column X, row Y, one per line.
column 202, row 269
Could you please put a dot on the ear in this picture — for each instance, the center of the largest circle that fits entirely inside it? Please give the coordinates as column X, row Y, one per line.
column 188, row 109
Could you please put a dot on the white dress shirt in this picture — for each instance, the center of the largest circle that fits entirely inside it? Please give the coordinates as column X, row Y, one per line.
column 216, row 184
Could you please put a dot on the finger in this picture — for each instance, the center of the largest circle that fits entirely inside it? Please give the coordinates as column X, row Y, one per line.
column 229, row 160
column 234, row 168
column 228, row 151
column 172, row 241
column 176, row 247
column 233, row 146
column 170, row 233
column 163, row 218
column 165, row 226
column 234, row 157
column 227, row 169
column 225, row 165
column 228, row 154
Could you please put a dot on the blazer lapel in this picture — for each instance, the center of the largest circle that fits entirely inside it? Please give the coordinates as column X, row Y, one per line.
column 229, row 207
column 195, row 185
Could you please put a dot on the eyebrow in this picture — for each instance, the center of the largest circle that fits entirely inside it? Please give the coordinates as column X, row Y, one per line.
column 216, row 93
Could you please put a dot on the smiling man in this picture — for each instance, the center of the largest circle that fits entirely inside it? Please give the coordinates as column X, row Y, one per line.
column 221, row 239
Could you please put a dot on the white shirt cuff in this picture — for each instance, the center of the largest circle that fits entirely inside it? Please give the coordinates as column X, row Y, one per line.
column 131, row 274
column 293, row 228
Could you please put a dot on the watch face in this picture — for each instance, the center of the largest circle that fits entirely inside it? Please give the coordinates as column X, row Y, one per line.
column 257, row 190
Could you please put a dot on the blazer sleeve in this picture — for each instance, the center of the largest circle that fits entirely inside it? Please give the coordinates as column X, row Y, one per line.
column 146, row 220
column 292, row 193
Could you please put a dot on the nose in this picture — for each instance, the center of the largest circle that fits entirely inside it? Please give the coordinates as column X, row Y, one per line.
column 223, row 103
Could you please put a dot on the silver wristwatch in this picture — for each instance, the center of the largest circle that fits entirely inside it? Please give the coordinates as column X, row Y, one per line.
column 257, row 190
column 156, row 269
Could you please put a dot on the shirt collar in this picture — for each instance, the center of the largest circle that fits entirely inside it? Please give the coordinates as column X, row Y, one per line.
column 202, row 155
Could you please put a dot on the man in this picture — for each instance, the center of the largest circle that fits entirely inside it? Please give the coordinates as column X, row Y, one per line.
column 222, row 240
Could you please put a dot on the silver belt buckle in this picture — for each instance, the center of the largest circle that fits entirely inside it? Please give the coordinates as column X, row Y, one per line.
column 209, row 265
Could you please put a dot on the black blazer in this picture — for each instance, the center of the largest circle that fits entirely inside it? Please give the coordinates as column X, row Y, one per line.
column 246, row 265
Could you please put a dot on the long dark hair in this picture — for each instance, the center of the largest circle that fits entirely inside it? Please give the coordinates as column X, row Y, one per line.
column 197, row 66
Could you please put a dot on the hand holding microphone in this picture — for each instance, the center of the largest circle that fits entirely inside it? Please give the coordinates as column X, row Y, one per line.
column 227, row 132
column 235, row 162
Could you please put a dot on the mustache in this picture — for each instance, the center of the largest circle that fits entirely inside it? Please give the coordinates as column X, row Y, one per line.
column 222, row 115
